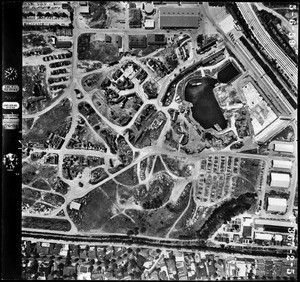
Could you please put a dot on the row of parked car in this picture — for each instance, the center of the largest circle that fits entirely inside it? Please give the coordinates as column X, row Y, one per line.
column 60, row 64
column 57, row 57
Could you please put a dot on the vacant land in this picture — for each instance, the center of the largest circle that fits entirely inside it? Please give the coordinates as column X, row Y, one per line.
column 91, row 81
column 287, row 134
column 53, row 199
column 41, row 184
column 250, row 169
column 59, row 115
column 96, row 50
column 98, row 16
column 95, row 211
column 158, row 166
column 128, row 177
column 46, row 223
column 160, row 189
column 177, row 166
column 26, row 125
column 34, row 40
column 31, row 172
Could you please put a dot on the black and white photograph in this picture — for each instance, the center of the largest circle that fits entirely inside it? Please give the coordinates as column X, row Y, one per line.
column 150, row 140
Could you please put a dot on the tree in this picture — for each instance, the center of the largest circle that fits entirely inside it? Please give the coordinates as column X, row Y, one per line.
column 130, row 233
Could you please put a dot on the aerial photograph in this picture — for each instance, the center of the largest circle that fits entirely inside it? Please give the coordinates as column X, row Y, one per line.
column 159, row 140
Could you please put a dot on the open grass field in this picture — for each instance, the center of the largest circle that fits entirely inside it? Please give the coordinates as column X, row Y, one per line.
column 31, row 172
column 96, row 209
column 46, row 223
column 128, row 177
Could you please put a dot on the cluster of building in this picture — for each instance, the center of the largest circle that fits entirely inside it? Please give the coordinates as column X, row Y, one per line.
column 48, row 261
column 46, row 13
column 147, row 127
column 78, row 140
column 56, row 139
column 75, row 164
column 280, row 178
column 258, row 233
column 143, row 41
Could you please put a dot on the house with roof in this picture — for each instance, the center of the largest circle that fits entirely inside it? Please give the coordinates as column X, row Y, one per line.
column 92, row 253
column 43, row 248
column 171, row 266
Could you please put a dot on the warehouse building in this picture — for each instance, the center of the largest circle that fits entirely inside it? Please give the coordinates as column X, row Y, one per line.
column 284, row 147
column 280, row 180
column 276, row 205
column 282, row 164
column 171, row 17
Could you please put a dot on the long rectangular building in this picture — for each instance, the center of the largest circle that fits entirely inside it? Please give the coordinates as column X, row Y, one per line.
column 282, row 164
column 273, row 222
column 284, row 147
column 171, row 17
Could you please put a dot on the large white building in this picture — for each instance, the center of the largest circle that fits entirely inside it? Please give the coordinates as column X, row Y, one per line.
column 277, row 205
column 284, row 147
column 280, row 180
column 282, row 164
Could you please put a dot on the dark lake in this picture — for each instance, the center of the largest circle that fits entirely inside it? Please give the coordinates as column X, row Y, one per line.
column 205, row 108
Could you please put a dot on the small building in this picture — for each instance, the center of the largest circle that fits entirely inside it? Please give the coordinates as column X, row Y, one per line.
column 119, row 41
column 277, row 205
column 107, row 38
column 280, row 180
column 282, row 164
column 63, row 44
column 247, row 231
column 149, row 24
column 75, row 206
column 156, row 39
column 284, row 147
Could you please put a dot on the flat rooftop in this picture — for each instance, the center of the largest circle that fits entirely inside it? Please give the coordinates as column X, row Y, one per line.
column 179, row 17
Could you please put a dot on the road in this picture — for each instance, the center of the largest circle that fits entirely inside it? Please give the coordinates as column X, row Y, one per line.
column 289, row 67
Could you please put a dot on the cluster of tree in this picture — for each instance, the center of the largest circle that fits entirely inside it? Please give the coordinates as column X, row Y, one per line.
column 225, row 212
column 135, row 18
column 98, row 11
column 153, row 203
column 83, row 45
column 172, row 61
